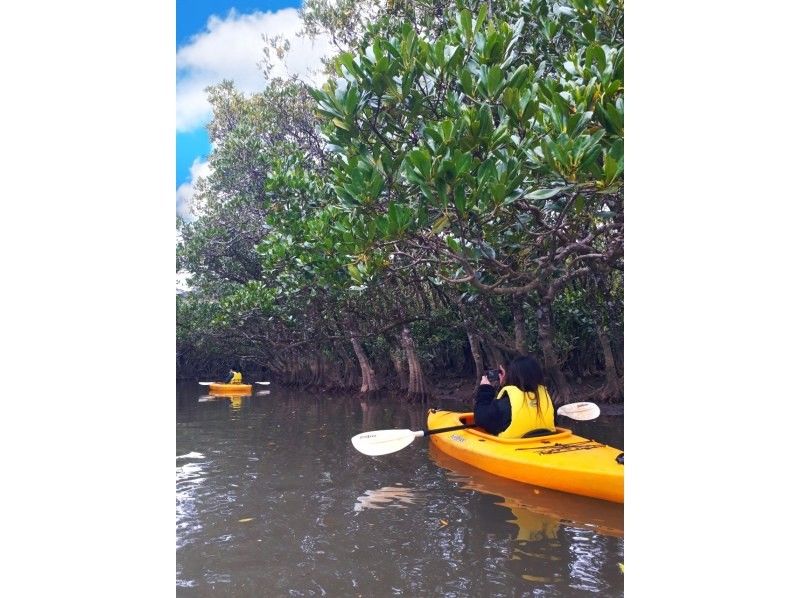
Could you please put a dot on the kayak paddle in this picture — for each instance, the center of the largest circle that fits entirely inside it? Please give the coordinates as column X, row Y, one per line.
column 264, row 383
column 383, row 442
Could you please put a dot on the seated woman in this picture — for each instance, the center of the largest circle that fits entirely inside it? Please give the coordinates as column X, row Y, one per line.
column 522, row 405
column 235, row 377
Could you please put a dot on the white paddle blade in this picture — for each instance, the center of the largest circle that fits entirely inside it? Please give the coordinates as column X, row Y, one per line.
column 383, row 442
column 205, row 383
column 579, row 411
column 264, row 383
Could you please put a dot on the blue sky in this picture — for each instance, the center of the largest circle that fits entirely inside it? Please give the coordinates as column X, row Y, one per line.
column 191, row 16
column 221, row 39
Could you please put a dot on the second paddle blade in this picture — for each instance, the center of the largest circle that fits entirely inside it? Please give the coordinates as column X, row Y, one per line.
column 580, row 411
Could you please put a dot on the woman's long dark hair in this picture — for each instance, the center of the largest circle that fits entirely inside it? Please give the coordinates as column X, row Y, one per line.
column 526, row 374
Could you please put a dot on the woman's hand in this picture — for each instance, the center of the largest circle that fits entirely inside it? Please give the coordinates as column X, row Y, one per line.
column 485, row 380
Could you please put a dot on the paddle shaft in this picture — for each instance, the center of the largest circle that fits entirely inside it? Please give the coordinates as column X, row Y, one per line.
column 450, row 429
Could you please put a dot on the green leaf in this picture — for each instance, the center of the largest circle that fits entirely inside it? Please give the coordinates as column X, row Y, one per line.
column 467, row 81
column 354, row 272
column 511, row 99
column 545, row 193
column 494, row 80
column 447, row 130
column 577, row 122
column 517, row 79
column 341, row 124
column 351, row 100
column 612, row 116
column 617, row 149
column 454, row 56
column 393, row 216
column 465, row 18
column 482, row 11
column 441, row 223
column 421, row 160
column 460, row 200
column 596, row 55
column 589, row 31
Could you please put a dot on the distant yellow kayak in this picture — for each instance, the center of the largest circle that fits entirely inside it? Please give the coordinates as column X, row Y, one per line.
column 239, row 389
column 560, row 461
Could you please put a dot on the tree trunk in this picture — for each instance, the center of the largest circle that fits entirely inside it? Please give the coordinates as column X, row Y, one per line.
column 369, row 381
column 331, row 377
column 495, row 357
column 519, row 328
column 326, row 375
column 400, row 369
column 477, row 357
column 561, row 391
column 348, row 370
column 612, row 378
column 619, row 359
column 417, row 385
column 313, row 366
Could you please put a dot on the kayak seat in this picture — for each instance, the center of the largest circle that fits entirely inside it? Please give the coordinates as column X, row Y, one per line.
column 538, row 432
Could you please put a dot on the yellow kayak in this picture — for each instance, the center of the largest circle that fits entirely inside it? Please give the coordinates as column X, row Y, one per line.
column 560, row 461
column 239, row 389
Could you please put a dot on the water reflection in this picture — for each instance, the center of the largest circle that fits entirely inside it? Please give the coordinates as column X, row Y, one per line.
column 188, row 476
column 382, row 413
column 601, row 516
column 388, row 496
column 370, row 412
column 226, row 393
column 192, row 455
column 558, row 538
column 235, row 401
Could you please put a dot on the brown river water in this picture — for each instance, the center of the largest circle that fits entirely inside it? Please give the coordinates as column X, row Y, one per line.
column 273, row 500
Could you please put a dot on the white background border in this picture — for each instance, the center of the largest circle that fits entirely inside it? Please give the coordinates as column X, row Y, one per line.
column 88, row 311
column 88, row 429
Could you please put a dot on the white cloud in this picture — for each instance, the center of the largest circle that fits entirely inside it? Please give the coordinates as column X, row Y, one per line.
column 185, row 193
column 232, row 48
